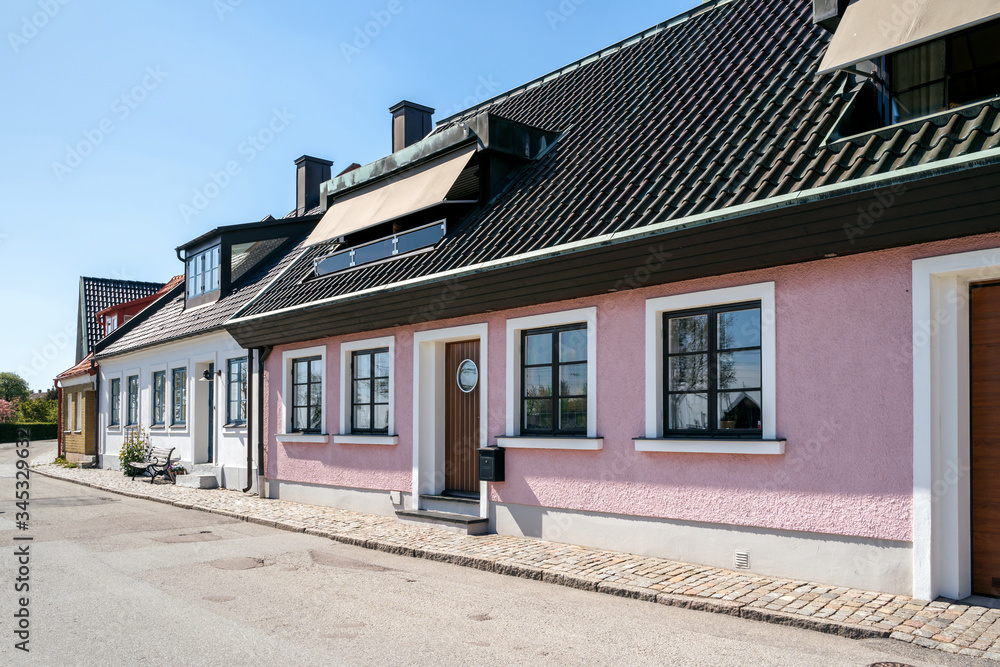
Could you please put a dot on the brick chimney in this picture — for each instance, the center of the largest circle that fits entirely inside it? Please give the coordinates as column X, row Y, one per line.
column 410, row 123
column 309, row 173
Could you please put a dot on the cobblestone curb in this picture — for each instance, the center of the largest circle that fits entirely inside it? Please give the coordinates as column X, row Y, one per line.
column 953, row 628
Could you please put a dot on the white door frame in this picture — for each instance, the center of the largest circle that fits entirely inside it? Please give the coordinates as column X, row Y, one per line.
column 942, row 539
column 428, row 406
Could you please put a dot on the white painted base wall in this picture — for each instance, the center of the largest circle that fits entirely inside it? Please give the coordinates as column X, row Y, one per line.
column 369, row 501
column 853, row 562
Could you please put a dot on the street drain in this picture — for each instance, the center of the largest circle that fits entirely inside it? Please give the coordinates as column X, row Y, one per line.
column 203, row 536
column 219, row 598
column 332, row 560
column 480, row 617
column 238, row 563
column 889, row 664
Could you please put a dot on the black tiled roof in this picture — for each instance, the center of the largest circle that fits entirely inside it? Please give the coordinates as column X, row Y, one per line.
column 171, row 321
column 96, row 294
column 714, row 109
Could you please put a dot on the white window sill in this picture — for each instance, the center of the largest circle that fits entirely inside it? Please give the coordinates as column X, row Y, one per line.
column 114, row 428
column 234, row 427
column 535, row 442
column 302, row 438
column 364, row 439
column 708, row 446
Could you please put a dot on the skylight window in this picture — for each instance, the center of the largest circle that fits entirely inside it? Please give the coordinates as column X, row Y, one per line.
column 203, row 272
column 402, row 243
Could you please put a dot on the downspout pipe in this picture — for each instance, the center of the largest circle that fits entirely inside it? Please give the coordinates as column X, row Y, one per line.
column 97, row 411
column 59, row 419
column 262, row 354
column 249, row 420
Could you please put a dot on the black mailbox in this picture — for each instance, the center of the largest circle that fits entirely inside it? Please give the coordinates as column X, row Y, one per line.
column 491, row 464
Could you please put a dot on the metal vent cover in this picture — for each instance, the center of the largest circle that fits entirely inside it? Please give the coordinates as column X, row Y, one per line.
column 742, row 559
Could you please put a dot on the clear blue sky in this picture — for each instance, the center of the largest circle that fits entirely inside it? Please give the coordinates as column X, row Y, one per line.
column 116, row 113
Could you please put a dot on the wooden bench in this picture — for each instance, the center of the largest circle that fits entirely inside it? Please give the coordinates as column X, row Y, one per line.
column 156, row 463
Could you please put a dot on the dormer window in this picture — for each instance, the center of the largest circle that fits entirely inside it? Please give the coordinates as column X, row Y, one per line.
column 203, row 272
column 943, row 74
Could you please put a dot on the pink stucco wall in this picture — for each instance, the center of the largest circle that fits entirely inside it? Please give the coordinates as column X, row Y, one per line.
column 844, row 405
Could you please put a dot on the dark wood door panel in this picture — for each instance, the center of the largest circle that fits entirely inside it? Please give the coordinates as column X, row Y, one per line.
column 461, row 465
column 984, row 327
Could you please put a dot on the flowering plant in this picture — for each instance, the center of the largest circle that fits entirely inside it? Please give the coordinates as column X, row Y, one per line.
column 176, row 469
column 8, row 410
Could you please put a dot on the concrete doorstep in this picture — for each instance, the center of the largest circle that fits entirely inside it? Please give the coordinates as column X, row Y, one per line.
column 953, row 628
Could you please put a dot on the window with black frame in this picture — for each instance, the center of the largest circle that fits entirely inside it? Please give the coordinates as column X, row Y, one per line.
column 942, row 74
column 236, row 392
column 179, row 403
column 159, row 396
column 307, row 395
column 370, row 391
column 115, row 402
column 554, row 381
column 133, row 400
column 712, row 373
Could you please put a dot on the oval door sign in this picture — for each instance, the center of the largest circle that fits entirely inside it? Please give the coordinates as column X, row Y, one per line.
column 468, row 375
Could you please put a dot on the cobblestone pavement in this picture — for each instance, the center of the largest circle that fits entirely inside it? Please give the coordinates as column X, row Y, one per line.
column 954, row 628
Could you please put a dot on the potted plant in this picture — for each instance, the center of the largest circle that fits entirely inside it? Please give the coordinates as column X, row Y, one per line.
column 176, row 469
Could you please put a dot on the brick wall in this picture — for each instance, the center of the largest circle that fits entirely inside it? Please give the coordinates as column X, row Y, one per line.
column 79, row 438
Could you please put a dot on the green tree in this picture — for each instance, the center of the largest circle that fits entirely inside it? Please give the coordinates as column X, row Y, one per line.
column 39, row 411
column 13, row 387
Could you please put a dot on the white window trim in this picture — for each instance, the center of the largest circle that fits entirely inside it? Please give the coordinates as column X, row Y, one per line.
column 942, row 560
column 655, row 308
column 173, row 366
column 286, row 410
column 121, row 417
column 543, row 442
column 346, row 350
column 157, row 368
column 713, row 446
column 514, row 328
column 301, row 438
column 137, row 372
column 110, row 324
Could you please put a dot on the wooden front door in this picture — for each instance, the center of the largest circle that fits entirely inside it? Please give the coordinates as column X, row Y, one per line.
column 985, row 376
column 461, row 409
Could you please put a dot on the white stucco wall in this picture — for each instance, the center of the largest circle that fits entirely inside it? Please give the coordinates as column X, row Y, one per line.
column 190, row 440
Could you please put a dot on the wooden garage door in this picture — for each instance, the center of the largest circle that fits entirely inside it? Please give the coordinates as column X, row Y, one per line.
column 461, row 417
column 985, row 375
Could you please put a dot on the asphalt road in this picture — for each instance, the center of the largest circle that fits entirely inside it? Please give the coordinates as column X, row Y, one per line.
column 121, row 581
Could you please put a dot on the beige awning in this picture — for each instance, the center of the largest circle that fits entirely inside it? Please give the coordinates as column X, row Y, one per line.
column 872, row 28
column 398, row 195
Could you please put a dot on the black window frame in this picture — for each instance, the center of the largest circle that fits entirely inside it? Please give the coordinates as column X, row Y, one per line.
column 886, row 65
column 115, row 402
column 159, row 384
column 713, row 431
column 309, row 405
column 174, row 404
column 241, row 384
column 132, row 407
column 371, row 403
column 556, row 396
